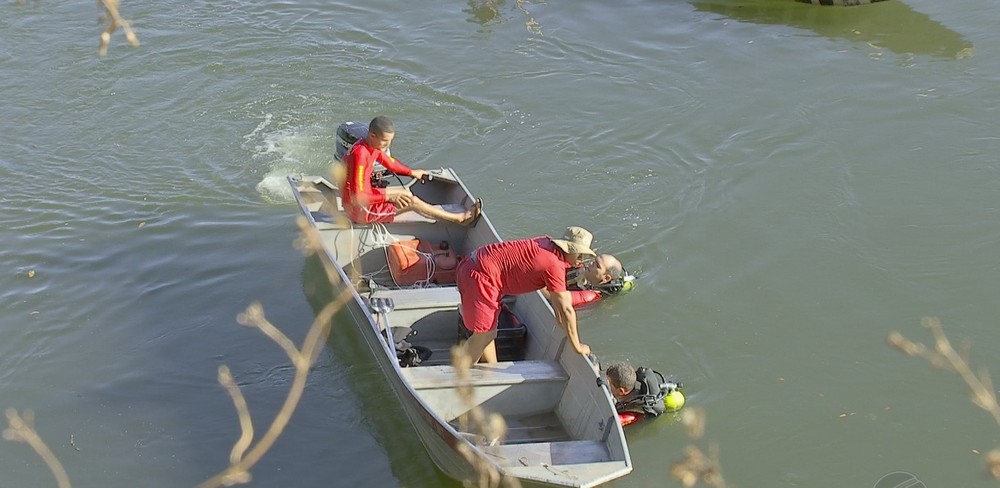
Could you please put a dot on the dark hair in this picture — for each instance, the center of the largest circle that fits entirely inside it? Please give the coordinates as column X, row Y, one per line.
column 381, row 125
column 621, row 375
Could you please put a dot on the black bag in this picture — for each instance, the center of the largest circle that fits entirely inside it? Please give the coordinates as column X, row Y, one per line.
column 408, row 354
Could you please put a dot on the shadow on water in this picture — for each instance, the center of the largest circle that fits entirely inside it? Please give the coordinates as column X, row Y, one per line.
column 888, row 25
column 384, row 418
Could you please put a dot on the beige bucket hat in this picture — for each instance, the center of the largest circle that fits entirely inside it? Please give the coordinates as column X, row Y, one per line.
column 576, row 240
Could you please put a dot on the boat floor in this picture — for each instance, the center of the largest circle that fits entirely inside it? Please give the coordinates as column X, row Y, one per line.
column 542, row 427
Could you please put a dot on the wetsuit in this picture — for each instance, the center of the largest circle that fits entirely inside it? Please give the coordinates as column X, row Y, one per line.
column 363, row 203
column 646, row 396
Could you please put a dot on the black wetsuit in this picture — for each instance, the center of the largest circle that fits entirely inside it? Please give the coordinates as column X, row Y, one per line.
column 646, row 396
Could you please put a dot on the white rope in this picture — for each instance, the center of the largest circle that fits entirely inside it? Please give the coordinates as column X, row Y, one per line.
column 378, row 236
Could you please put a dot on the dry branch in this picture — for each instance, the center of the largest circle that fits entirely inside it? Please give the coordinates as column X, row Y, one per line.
column 22, row 429
column 113, row 21
column 697, row 465
column 240, row 463
column 945, row 356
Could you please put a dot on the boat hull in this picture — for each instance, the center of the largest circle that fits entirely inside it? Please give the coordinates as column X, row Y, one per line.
column 557, row 413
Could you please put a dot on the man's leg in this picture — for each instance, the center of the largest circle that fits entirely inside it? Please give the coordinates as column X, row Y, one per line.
column 379, row 212
column 480, row 345
column 433, row 211
column 480, row 309
column 436, row 212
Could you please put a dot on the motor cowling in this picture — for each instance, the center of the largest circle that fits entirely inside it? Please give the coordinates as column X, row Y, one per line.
column 347, row 134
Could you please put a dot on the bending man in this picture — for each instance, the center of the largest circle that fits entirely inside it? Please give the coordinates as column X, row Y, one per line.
column 365, row 204
column 514, row 268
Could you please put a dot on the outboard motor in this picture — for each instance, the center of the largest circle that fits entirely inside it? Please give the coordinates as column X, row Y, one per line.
column 347, row 134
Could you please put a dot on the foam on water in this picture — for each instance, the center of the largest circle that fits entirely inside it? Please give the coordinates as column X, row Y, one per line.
column 282, row 152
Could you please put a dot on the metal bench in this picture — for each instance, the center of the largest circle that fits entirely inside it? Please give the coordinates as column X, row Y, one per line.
column 502, row 373
column 417, row 298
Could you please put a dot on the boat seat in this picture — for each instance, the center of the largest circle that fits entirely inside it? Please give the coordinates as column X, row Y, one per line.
column 426, row 297
column 549, row 453
column 502, row 373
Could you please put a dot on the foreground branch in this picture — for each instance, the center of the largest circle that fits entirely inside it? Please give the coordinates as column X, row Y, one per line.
column 697, row 465
column 944, row 356
column 22, row 430
column 490, row 427
column 114, row 21
column 245, row 454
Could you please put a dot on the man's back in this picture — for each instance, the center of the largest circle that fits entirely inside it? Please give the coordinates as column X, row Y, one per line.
column 524, row 265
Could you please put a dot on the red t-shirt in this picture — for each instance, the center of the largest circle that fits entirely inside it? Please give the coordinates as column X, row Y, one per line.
column 524, row 266
column 358, row 192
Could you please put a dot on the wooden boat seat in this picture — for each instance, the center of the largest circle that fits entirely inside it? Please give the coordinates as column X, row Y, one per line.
column 502, row 373
column 417, row 298
column 549, row 453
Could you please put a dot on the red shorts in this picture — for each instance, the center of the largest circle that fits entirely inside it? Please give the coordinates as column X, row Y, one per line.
column 383, row 212
column 480, row 298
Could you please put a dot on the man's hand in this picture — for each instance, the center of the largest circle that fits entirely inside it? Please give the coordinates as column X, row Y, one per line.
column 401, row 199
column 584, row 350
column 418, row 174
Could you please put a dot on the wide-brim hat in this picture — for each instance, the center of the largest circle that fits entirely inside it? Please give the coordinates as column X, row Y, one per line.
column 576, row 240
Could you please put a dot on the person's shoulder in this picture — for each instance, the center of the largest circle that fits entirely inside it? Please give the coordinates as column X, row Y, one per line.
column 544, row 242
column 361, row 147
column 525, row 242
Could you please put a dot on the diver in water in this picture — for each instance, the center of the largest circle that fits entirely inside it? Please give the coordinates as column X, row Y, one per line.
column 602, row 277
column 642, row 392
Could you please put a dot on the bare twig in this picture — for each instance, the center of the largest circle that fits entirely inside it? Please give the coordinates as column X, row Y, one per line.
column 114, row 22
column 993, row 463
column 697, row 465
column 944, row 356
column 490, row 427
column 530, row 23
column 245, row 454
column 242, row 410
column 22, row 429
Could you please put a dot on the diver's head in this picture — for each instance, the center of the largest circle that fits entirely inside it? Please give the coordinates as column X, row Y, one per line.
column 621, row 379
column 603, row 269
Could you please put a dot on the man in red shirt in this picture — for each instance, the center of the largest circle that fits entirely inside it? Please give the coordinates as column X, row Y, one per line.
column 514, row 268
column 365, row 204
